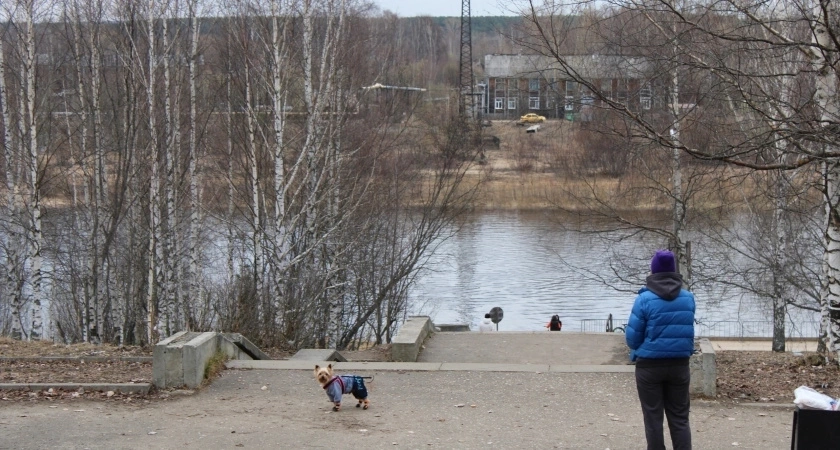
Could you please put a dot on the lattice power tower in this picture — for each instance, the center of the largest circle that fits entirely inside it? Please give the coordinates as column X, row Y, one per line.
column 466, row 101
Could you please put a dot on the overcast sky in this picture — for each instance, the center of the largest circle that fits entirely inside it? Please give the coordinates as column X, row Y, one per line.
column 409, row 8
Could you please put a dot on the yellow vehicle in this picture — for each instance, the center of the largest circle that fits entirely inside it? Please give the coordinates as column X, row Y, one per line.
column 531, row 118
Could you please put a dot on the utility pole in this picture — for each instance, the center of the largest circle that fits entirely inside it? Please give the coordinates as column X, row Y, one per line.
column 466, row 104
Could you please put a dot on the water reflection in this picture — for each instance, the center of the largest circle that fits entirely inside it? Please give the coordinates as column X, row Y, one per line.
column 531, row 268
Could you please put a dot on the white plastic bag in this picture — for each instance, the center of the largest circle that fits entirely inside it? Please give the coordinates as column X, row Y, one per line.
column 807, row 398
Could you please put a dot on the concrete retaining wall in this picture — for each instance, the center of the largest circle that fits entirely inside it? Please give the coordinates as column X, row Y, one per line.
column 704, row 370
column 406, row 344
column 180, row 360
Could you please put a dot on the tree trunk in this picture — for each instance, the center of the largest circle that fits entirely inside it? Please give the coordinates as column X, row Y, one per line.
column 826, row 98
column 195, row 291
column 155, row 325
column 35, row 231
column 11, row 283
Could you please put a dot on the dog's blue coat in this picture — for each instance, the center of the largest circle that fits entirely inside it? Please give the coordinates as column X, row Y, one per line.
column 346, row 384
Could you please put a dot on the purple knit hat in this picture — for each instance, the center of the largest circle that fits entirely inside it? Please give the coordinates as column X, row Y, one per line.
column 663, row 261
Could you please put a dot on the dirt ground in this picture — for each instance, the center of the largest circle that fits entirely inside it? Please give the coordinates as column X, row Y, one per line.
column 757, row 376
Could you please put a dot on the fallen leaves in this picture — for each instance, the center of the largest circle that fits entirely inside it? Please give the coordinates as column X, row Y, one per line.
column 771, row 377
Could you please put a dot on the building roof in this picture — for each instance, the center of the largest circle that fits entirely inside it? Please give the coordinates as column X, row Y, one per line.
column 584, row 66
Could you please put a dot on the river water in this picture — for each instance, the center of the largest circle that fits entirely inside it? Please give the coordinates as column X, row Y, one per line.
column 528, row 265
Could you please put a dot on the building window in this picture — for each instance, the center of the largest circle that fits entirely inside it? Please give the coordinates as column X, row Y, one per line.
column 511, row 102
column 571, row 90
column 645, row 95
column 621, row 94
column 533, row 93
column 606, row 89
column 500, row 103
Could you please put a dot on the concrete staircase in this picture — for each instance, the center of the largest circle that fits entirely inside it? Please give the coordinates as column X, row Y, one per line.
column 181, row 359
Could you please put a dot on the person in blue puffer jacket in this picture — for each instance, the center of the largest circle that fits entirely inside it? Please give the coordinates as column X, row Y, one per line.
column 660, row 334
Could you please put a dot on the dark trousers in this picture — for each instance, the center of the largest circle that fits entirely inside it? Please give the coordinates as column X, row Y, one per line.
column 359, row 388
column 665, row 389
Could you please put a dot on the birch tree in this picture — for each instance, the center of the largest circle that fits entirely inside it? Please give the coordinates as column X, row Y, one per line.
column 195, row 292
column 718, row 39
column 12, row 229
column 321, row 246
column 156, row 320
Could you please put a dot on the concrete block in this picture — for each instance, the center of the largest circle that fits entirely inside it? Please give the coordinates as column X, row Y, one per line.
column 176, row 359
column 410, row 337
column 196, row 353
column 704, row 370
column 166, row 362
column 180, row 360
column 317, row 354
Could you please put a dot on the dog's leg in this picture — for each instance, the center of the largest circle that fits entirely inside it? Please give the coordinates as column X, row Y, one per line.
column 364, row 403
column 337, row 406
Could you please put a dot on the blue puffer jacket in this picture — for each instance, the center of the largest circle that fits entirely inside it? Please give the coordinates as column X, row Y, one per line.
column 661, row 324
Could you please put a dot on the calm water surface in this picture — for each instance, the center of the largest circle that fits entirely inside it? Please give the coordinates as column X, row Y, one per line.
column 531, row 268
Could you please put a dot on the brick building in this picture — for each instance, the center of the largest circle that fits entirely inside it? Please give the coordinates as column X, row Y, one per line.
column 519, row 84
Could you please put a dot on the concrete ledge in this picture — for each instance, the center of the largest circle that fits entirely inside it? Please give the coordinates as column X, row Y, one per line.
column 481, row 367
column 406, row 344
column 593, row 368
column 317, row 354
column 126, row 388
column 241, row 348
column 341, row 366
column 704, row 370
column 167, row 367
column 196, row 353
column 427, row 366
column 180, row 360
column 452, row 327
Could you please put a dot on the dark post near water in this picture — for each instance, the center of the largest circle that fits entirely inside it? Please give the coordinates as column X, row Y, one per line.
column 496, row 315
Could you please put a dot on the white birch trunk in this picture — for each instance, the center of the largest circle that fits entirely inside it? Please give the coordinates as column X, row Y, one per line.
column 318, row 147
column 155, row 259
column 279, row 94
column 231, row 229
column 313, row 120
column 195, row 292
column 35, row 232
column 826, row 97
column 99, row 256
column 779, row 249
column 313, row 127
column 337, row 274
column 168, row 233
column 11, row 285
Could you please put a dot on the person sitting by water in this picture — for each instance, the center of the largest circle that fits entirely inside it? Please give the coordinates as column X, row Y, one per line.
column 555, row 324
column 486, row 324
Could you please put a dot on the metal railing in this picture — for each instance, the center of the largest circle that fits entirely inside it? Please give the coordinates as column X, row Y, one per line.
column 601, row 325
column 731, row 328
column 755, row 329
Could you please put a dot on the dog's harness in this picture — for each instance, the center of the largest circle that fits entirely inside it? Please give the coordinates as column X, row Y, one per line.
column 340, row 381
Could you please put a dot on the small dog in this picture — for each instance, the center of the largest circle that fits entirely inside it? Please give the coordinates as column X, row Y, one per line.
column 336, row 385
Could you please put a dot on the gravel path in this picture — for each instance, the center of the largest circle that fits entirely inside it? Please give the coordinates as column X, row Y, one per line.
column 465, row 410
